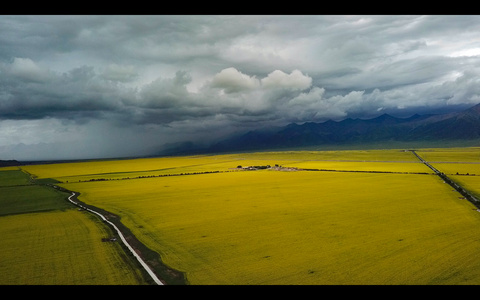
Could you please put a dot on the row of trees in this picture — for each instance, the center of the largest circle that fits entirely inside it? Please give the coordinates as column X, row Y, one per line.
column 149, row 176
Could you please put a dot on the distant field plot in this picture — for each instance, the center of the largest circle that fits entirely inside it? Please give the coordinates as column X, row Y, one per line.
column 299, row 227
column 348, row 160
column 133, row 168
column 460, row 168
column 461, row 164
column 127, row 165
column 344, row 155
column 458, row 155
column 60, row 248
column 454, row 160
column 413, row 167
column 18, row 195
column 121, row 169
column 13, row 176
column 31, row 198
column 470, row 183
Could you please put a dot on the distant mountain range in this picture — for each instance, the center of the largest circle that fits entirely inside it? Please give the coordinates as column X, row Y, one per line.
column 9, row 163
column 464, row 125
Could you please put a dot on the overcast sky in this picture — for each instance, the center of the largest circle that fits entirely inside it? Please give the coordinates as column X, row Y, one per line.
column 96, row 86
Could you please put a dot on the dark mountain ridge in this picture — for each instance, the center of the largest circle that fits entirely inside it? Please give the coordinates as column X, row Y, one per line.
column 9, row 163
column 463, row 125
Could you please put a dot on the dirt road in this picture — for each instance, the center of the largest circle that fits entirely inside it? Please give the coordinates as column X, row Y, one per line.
column 140, row 260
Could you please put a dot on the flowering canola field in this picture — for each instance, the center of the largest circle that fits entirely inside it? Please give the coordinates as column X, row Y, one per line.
column 364, row 217
column 462, row 165
column 60, row 248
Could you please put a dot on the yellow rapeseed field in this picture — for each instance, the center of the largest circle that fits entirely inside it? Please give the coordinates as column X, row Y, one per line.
column 374, row 166
column 298, row 227
column 461, row 164
column 131, row 168
column 61, row 248
column 467, row 154
column 470, row 183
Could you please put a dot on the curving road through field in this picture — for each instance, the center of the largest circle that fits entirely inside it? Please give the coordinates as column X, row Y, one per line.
column 140, row 260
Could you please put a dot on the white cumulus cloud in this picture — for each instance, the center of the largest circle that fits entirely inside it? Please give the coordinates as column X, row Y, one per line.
column 27, row 69
column 280, row 79
column 231, row 80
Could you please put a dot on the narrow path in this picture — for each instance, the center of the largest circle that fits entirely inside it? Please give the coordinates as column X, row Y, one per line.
column 140, row 260
column 446, row 179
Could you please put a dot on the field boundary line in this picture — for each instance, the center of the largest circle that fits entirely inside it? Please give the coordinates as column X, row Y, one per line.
column 140, row 260
column 452, row 183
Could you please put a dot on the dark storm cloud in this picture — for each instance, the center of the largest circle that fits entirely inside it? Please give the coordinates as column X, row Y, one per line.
column 28, row 92
column 150, row 80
